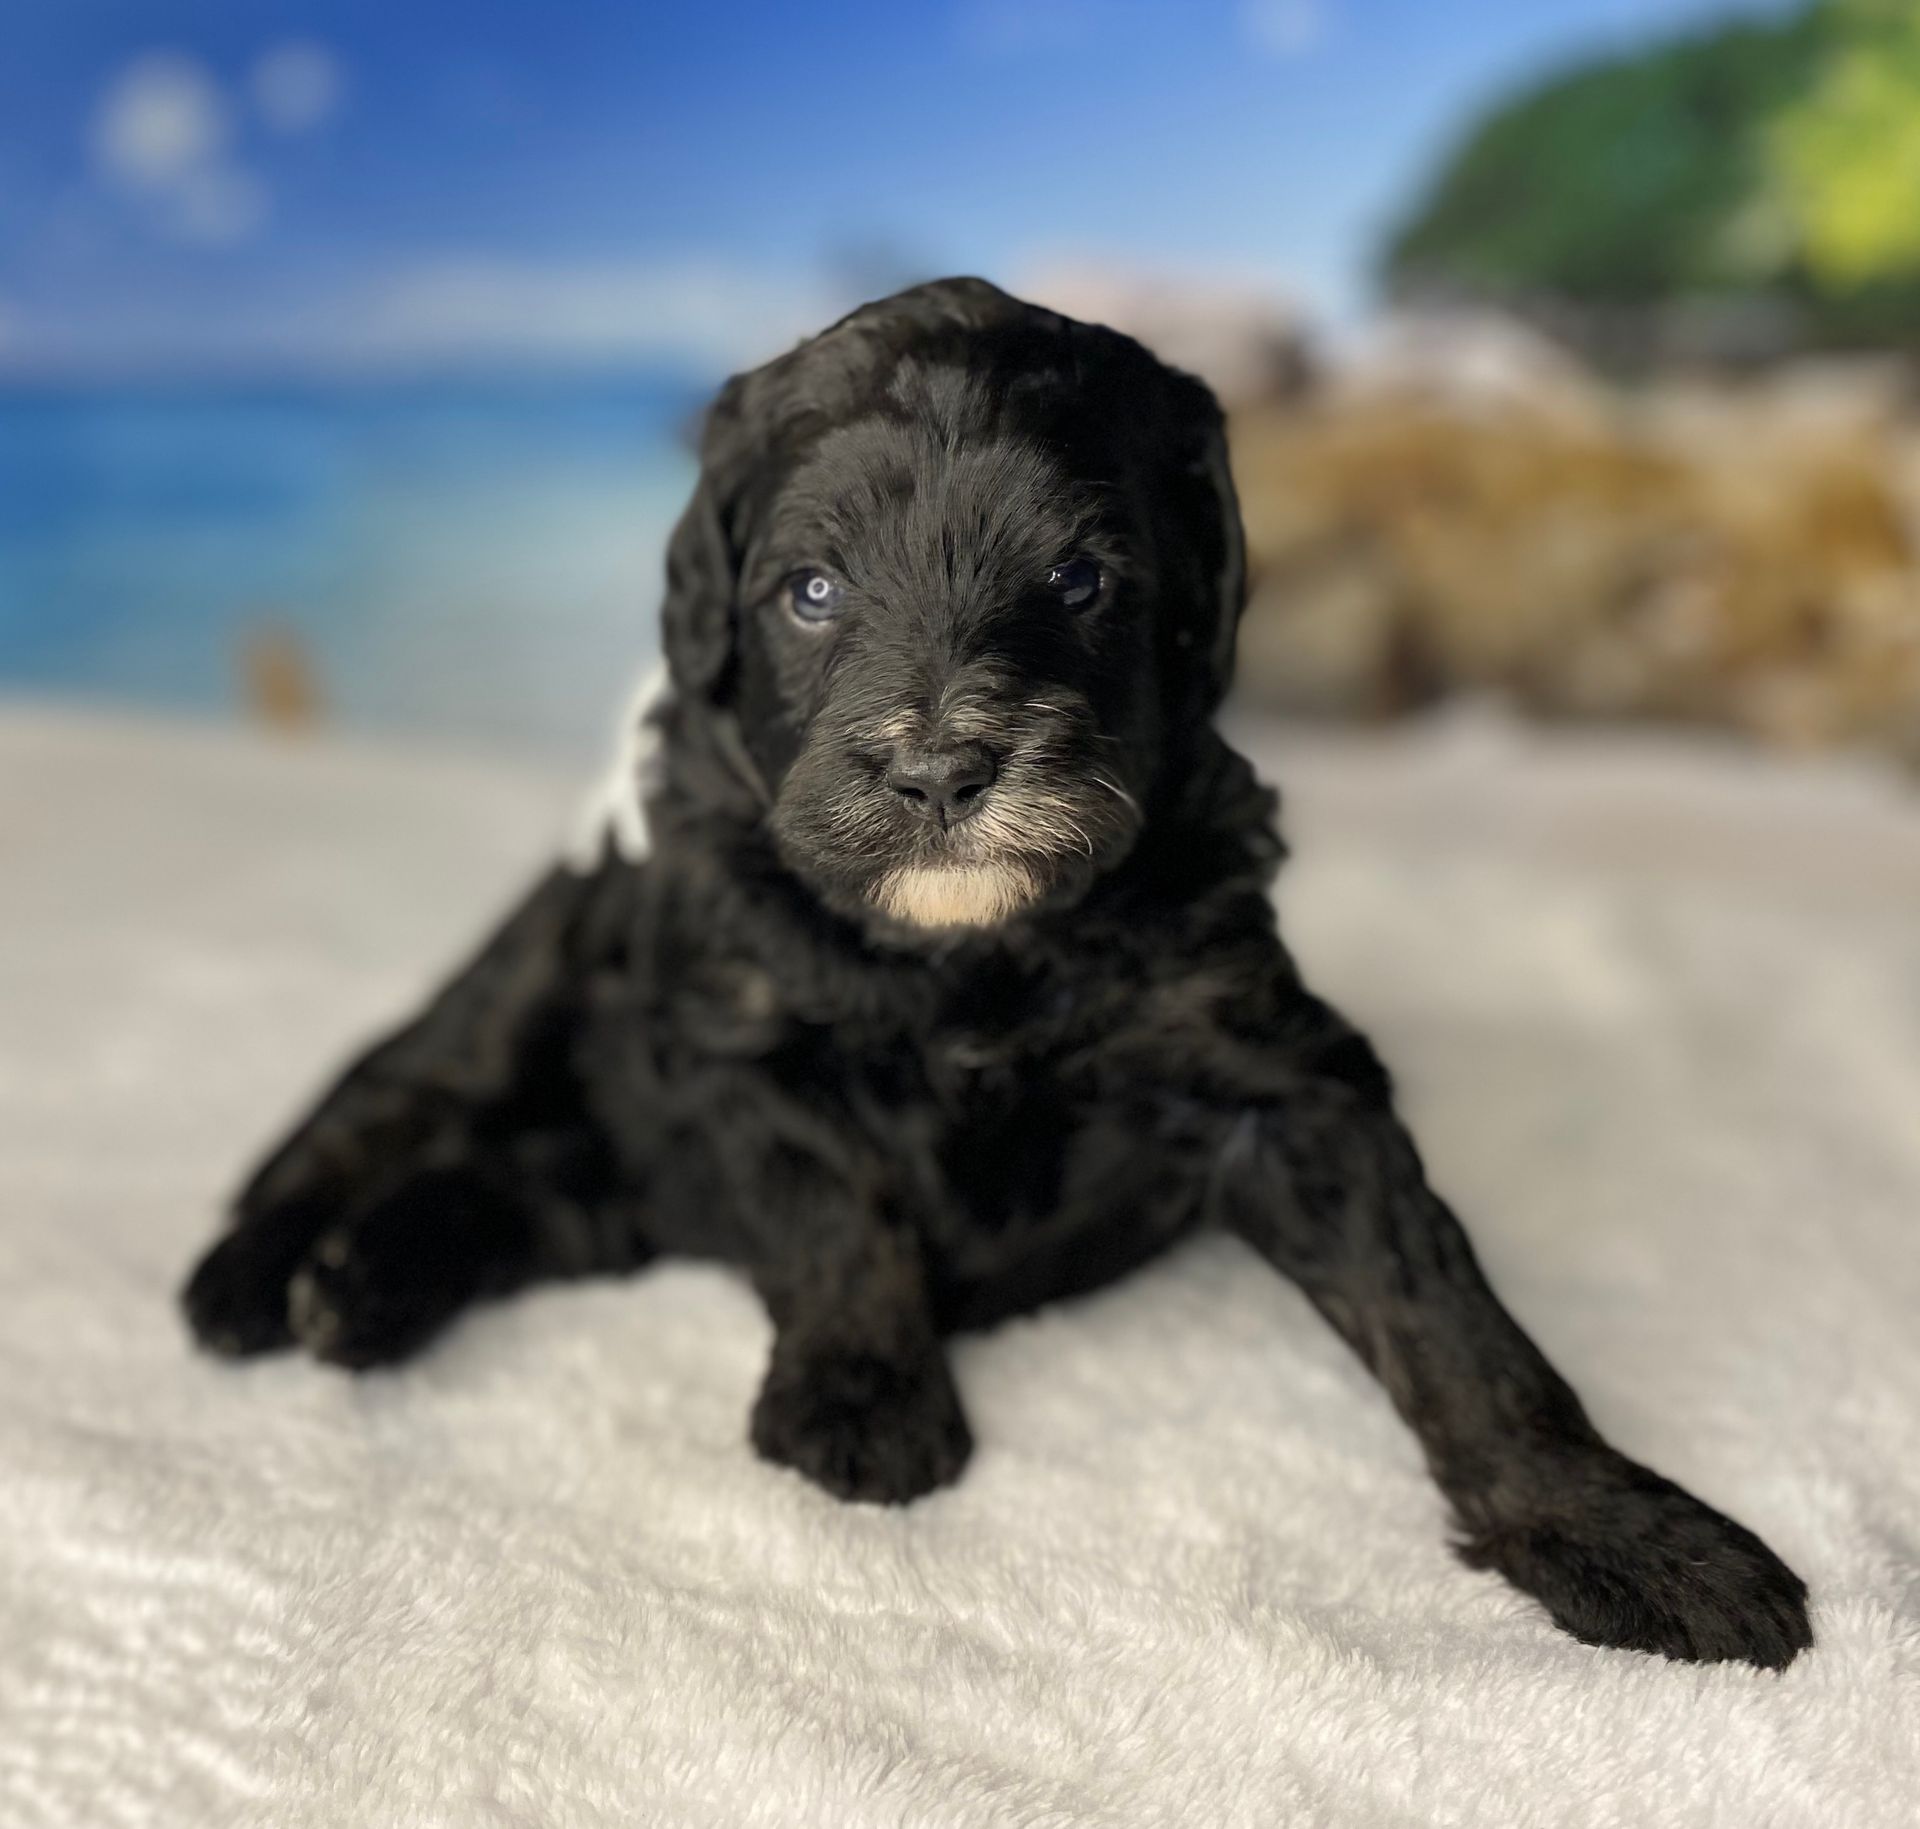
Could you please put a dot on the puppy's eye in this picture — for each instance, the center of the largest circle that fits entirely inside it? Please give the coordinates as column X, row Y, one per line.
column 1077, row 583
column 813, row 596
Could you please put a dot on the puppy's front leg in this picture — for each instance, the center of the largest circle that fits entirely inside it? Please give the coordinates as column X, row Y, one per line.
column 1327, row 1185
column 494, row 1027
column 858, row 1396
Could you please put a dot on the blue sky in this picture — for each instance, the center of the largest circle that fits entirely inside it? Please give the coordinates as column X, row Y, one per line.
column 206, row 184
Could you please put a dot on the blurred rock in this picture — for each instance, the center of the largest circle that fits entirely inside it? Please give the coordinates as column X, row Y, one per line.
column 1465, row 509
column 1470, row 358
column 279, row 681
column 1248, row 344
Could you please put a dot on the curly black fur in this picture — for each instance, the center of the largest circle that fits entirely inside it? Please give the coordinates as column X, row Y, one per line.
column 918, row 1059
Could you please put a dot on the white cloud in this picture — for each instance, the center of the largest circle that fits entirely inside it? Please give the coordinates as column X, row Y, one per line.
column 705, row 315
column 162, row 131
column 709, row 313
column 296, row 86
column 161, row 119
column 1284, row 28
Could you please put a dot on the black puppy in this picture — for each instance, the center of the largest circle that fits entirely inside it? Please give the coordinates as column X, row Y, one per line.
column 951, row 982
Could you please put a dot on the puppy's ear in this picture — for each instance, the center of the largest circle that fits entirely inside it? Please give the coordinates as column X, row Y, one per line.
column 1212, row 539
column 703, row 562
column 1230, row 565
column 1181, row 445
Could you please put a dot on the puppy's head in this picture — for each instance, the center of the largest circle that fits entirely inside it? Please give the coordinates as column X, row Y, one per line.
column 963, row 576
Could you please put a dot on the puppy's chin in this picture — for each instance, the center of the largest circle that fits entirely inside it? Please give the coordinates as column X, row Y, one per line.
column 955, row 894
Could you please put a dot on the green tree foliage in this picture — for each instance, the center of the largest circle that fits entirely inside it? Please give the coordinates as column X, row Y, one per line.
column 1849, row 149
column 1777, row 160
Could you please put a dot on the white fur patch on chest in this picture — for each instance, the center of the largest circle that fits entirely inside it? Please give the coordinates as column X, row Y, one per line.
column 615, row 812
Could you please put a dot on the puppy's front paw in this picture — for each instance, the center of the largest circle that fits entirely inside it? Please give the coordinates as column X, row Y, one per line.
column 863, row 1426
column 379, row 1288
column 354, row 1306
column 236, row 1300
column 1625, row 1558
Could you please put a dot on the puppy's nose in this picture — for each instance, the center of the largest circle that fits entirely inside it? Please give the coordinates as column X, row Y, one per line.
column 946, row 785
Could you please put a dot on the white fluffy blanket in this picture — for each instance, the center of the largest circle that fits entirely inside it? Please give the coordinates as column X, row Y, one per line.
column 1657, row 1016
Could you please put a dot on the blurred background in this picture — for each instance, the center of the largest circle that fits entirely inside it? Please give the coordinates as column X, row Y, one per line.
column 347, row 350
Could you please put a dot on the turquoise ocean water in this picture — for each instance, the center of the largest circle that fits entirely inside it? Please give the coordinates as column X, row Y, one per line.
column 475, row 561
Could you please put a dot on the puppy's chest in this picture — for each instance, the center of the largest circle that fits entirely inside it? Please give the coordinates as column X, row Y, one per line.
column 990, row 1066
column 997, row 1081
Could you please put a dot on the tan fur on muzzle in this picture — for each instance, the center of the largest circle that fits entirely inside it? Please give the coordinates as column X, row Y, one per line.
column 955, row 895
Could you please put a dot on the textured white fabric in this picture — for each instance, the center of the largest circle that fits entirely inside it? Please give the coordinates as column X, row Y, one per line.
column 615, row 810
column 1657, row 1017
